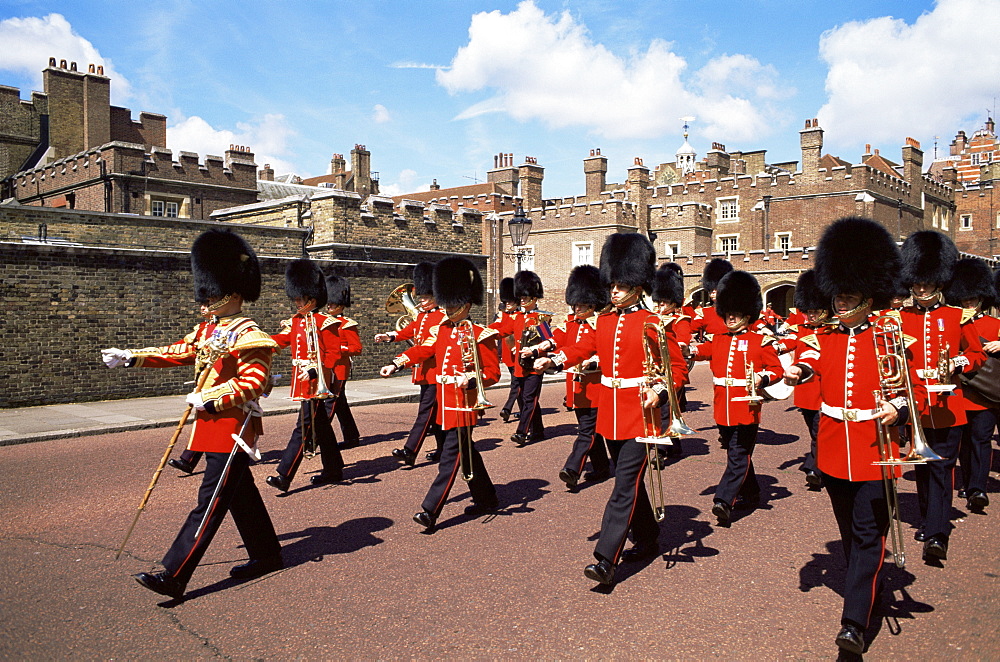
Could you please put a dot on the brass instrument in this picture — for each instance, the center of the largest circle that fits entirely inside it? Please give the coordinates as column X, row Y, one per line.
column 320, row 391
column 891, row 493
column 401, row 302
column 659, row 368
column 466, row 334
column 894, row 379
column 752, row 396
column 941, row 372
column 532, row 335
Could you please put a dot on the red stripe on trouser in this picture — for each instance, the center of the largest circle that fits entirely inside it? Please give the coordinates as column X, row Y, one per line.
column 583, row 459
column 211, row 509
column 745, row 472
column 881, row 561
column 451, row 481
column 635, row 499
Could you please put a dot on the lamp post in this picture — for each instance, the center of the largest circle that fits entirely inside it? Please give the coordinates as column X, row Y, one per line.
column 519, row 227
column 767, row 225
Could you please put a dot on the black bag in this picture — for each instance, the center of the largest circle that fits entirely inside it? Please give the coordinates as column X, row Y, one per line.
column 985, row 381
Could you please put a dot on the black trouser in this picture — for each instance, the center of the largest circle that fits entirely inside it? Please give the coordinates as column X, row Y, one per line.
column 863, row 519
column 628, row 506
column 483, row 491
column 587, row 444
column 514, row 395
column 426, row 420
column 312, row 415
column 531, row 408
column 811, row 417
column 239, row 497
column 934, row 480
column 976, row 452
column 191, row 457
column 665, row 421
column 739, row 478
column 340, row 408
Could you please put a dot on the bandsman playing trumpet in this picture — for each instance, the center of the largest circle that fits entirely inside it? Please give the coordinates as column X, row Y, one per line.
column 856, row 264
column 946, row 343
column 467, row 363
column 743, row 362
column 417, row 331
column 340, row 356
column 308, row 332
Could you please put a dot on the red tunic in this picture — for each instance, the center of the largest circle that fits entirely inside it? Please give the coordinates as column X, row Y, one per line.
column 455, row 403
column 237, row 377
column 847, row 372
column 706, row 320
column 618, row 343
column 293, row 334
column 505, row 344
column 795, row 317
column 583, row 380
column 807, row 395
column 345, row 344
column 418, row 331
column 934, row 328
column 728, row 354
column 988, row 330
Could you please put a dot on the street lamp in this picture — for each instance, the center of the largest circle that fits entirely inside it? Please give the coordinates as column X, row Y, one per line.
column 519, row 227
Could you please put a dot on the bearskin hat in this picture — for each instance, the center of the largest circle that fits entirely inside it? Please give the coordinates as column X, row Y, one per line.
column 971, row 278
column 628, row 259
column 423, row 279
column 527, row 284
column 584, row 287
column 457, row 282
column 507, row 290
column 338, row 291
column 857, row 255
column 667, row 285
column 739, row 294
column 928, row 257
column 807, row 295
column 223, row 263
column 674, row 267
column 304, row 280
column 713, row 273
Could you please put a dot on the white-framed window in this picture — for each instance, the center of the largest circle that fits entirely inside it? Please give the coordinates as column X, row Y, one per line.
column 729, row 243
column 157, row 208
column 673, row 248
column 172, row 209
column 527, row 257
column 583, row 253
column 783, row 241
column 944, row 219
column 965, row 222
column 728, row 209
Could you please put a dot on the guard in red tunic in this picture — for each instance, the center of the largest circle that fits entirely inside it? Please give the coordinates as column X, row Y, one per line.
column 706, row 321
column 508, row 314
column 528, row 329
column 814, row 307
column 308, row 332
column 467, row 363
column 237, row 355
column 972, row 288
column 743, row 362
column 586, row 295
column 627, row 399
column 946, row 344
column 416, row 332
column 340, row 356
column 189, row 459
column 668, row 297
column 856, row 264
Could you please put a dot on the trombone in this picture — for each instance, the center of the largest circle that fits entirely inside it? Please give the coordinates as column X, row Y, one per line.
column 659, row 368
column 320, row 391
column 466, row 333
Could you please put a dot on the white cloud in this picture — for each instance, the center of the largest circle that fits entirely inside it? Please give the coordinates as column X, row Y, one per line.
column 380, row 114
column 548, row 68
column 888, row 79
column 267, row 137
column 406, row 182
column 28, row 43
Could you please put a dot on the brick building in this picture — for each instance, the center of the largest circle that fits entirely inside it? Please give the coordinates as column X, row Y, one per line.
column 68, row 147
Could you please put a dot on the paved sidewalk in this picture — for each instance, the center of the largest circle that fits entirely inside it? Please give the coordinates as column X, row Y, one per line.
column 27, row 424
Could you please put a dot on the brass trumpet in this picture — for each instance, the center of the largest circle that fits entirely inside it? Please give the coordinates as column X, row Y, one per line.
column 752, row 395
column 466, row 333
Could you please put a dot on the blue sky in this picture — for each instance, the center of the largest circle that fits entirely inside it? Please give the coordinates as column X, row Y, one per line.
column 435, row 88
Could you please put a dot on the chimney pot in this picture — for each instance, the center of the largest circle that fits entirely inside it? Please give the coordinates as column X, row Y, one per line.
column 52, row 62
column 72, row 66
column 62, row 64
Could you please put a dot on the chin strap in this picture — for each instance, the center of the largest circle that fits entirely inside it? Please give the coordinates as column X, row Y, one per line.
column 220, row 303
column 854, row 311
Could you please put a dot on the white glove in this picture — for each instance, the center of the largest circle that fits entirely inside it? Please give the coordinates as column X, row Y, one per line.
column 254, row 409
column 194, row 399
column 114, row 357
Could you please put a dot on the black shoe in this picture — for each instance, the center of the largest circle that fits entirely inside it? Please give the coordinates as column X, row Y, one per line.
column 920, row 535
column 936, row 547
column 505, row 415
column 325, row 477
column 179, row 464
column 349, row 443
column 570, row 477
column 977, row 500
column 814, row 481
column 640, row 553
column 851, row 639
column 161, row 583
column 425, row 519
column 433, row 456
column 597, row 476
column 722, row 512
column 256, row 568
column 602, row 572
column 406, row 455
column 516, row 416
column 477, row 509
column 278, row 481
column 519, row 438
column 963, row 493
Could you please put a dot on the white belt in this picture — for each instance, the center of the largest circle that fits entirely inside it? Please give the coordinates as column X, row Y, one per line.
column 449, row 379
column 728, row 381
column 842, row 414
column 927, row 373
column 622, row 382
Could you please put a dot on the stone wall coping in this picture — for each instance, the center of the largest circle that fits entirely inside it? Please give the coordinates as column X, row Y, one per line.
column 320, row 247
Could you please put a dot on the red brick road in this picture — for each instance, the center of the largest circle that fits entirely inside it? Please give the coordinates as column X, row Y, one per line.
column 363, row 581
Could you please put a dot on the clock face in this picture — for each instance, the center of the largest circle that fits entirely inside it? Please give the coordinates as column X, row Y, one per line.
column 665, row 175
